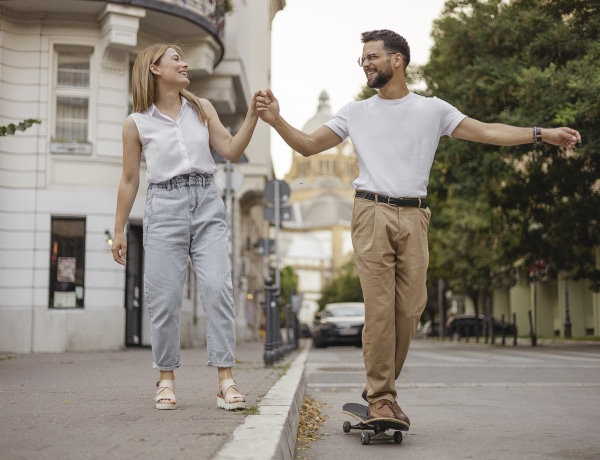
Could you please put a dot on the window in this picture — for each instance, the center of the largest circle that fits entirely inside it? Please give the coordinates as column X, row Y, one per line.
column 71, row 119
column 72, row 99
column 67, row 262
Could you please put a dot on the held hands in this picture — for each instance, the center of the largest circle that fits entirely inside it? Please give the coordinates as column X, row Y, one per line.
column 563, row 137
column 267, row 106
column 252, row 109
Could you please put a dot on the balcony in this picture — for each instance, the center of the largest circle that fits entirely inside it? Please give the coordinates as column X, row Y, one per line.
column 190, row 21
column 209, row 14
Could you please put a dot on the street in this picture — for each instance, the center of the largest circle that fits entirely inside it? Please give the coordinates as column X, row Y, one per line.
column 469, row 401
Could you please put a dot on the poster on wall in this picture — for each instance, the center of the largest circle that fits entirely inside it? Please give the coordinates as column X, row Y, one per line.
column 66, row 269
column 65, row 299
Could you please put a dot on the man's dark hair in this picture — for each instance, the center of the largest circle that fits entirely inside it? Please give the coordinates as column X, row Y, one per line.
column 391, row 41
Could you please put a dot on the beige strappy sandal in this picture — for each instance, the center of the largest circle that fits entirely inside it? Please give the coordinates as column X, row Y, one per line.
column 165, row 402
column 229, row 402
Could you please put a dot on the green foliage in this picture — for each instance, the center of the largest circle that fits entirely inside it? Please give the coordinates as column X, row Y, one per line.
column 524, row 62
column 345, row 287
column 289, row 284
column 366, row 93
column 11, row 128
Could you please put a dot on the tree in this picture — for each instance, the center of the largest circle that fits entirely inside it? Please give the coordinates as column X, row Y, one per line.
column 522, row 62
column 366, row 93
column 289, row 284
column 345, row 287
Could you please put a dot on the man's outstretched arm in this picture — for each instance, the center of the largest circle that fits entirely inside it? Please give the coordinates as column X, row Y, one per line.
column 305, row 144
column 499, row 134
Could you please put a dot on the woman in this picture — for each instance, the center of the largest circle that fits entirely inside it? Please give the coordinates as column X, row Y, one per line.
column 184, row 215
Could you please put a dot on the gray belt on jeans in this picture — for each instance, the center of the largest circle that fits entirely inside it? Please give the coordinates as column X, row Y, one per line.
column 185, row 180
column 410, row 202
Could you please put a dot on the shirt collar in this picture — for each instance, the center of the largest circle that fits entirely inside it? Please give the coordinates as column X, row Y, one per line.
column 153, row 111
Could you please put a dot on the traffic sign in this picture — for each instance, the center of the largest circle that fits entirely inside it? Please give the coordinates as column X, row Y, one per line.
column 285, row 213
column 284, row 191
column 235, row 176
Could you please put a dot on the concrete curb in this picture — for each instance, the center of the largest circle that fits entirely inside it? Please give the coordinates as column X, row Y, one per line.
column 273, row 433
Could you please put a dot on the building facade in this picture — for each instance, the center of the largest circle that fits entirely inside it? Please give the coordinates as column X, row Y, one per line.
column 68, row 64
column 555, row 303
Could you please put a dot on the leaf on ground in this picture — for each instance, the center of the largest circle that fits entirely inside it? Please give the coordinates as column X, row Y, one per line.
column 309, row 426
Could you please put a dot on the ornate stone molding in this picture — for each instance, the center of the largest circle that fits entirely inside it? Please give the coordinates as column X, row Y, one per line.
column 119, row 25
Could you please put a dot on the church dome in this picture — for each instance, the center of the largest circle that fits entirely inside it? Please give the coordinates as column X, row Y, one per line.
column 324, row 113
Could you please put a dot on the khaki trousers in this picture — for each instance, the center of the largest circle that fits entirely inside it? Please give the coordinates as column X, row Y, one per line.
column 391, row 253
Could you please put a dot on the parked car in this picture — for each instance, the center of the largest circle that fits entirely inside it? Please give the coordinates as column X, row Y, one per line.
column 339, row 323
column 430, row 329
column 464, row 326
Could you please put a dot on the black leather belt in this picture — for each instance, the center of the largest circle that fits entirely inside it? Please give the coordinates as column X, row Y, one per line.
column 411, row 202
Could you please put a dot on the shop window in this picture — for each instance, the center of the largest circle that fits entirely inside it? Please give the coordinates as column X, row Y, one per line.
column 67, row 263
column 72, row 98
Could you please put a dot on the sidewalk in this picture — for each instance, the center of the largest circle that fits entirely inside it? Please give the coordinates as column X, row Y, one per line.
column 99, row 405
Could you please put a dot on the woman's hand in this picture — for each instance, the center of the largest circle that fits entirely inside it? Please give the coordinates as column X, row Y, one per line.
column 119, row 248
column 267, row 106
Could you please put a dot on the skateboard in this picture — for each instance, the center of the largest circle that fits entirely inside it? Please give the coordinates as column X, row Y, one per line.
column 378, row 425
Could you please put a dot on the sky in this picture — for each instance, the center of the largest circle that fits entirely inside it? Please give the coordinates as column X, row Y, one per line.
column 315, row 45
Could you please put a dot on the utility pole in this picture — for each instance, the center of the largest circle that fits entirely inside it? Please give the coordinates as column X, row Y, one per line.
column 567, row 311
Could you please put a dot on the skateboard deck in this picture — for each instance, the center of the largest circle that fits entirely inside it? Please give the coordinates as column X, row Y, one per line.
column 378, row 426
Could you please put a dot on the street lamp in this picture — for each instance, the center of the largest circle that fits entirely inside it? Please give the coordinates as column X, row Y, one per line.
column 276, row 192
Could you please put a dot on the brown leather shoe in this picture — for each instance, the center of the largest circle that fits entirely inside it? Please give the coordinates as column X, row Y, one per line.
column 399, row 414
column 380, row 409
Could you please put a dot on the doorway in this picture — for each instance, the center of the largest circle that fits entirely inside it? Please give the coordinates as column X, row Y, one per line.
column 134, row 282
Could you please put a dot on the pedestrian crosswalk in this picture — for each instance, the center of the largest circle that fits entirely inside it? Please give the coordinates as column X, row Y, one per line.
column 432, row 364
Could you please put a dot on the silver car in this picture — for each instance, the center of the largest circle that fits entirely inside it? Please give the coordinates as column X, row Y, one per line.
column 338, row 324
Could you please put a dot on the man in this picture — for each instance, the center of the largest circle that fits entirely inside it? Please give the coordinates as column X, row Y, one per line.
column 395, row 134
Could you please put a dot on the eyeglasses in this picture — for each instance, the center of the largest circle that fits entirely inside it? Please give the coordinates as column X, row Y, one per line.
column 370, row 57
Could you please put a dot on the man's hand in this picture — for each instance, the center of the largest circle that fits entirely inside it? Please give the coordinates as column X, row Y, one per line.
column 564, row 137
column 267, row 106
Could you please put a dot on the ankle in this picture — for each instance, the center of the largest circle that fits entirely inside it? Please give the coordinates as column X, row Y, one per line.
column 224, row 373
column 166, row 375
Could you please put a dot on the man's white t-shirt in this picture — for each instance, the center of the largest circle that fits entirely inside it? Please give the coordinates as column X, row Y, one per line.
column 395, row 140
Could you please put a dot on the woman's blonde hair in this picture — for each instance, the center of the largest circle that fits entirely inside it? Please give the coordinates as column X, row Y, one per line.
column 143, row 81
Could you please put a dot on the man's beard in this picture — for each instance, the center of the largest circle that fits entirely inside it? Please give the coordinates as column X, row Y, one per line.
column 381, row 79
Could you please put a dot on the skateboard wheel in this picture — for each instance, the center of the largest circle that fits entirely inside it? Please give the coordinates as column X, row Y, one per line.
column 346, row 427
column 398, row 437
column 365, row 439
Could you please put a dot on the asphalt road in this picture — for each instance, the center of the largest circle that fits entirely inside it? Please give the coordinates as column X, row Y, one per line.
column 469, row 401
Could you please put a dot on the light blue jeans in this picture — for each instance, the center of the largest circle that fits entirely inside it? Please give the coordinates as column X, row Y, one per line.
column 185, row 217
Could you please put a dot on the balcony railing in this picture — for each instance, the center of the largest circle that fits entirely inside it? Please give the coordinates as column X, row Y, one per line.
column 212, row 10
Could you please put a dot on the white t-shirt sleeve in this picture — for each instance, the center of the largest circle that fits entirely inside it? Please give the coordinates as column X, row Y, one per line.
column 451, row 117
column 339, row 122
